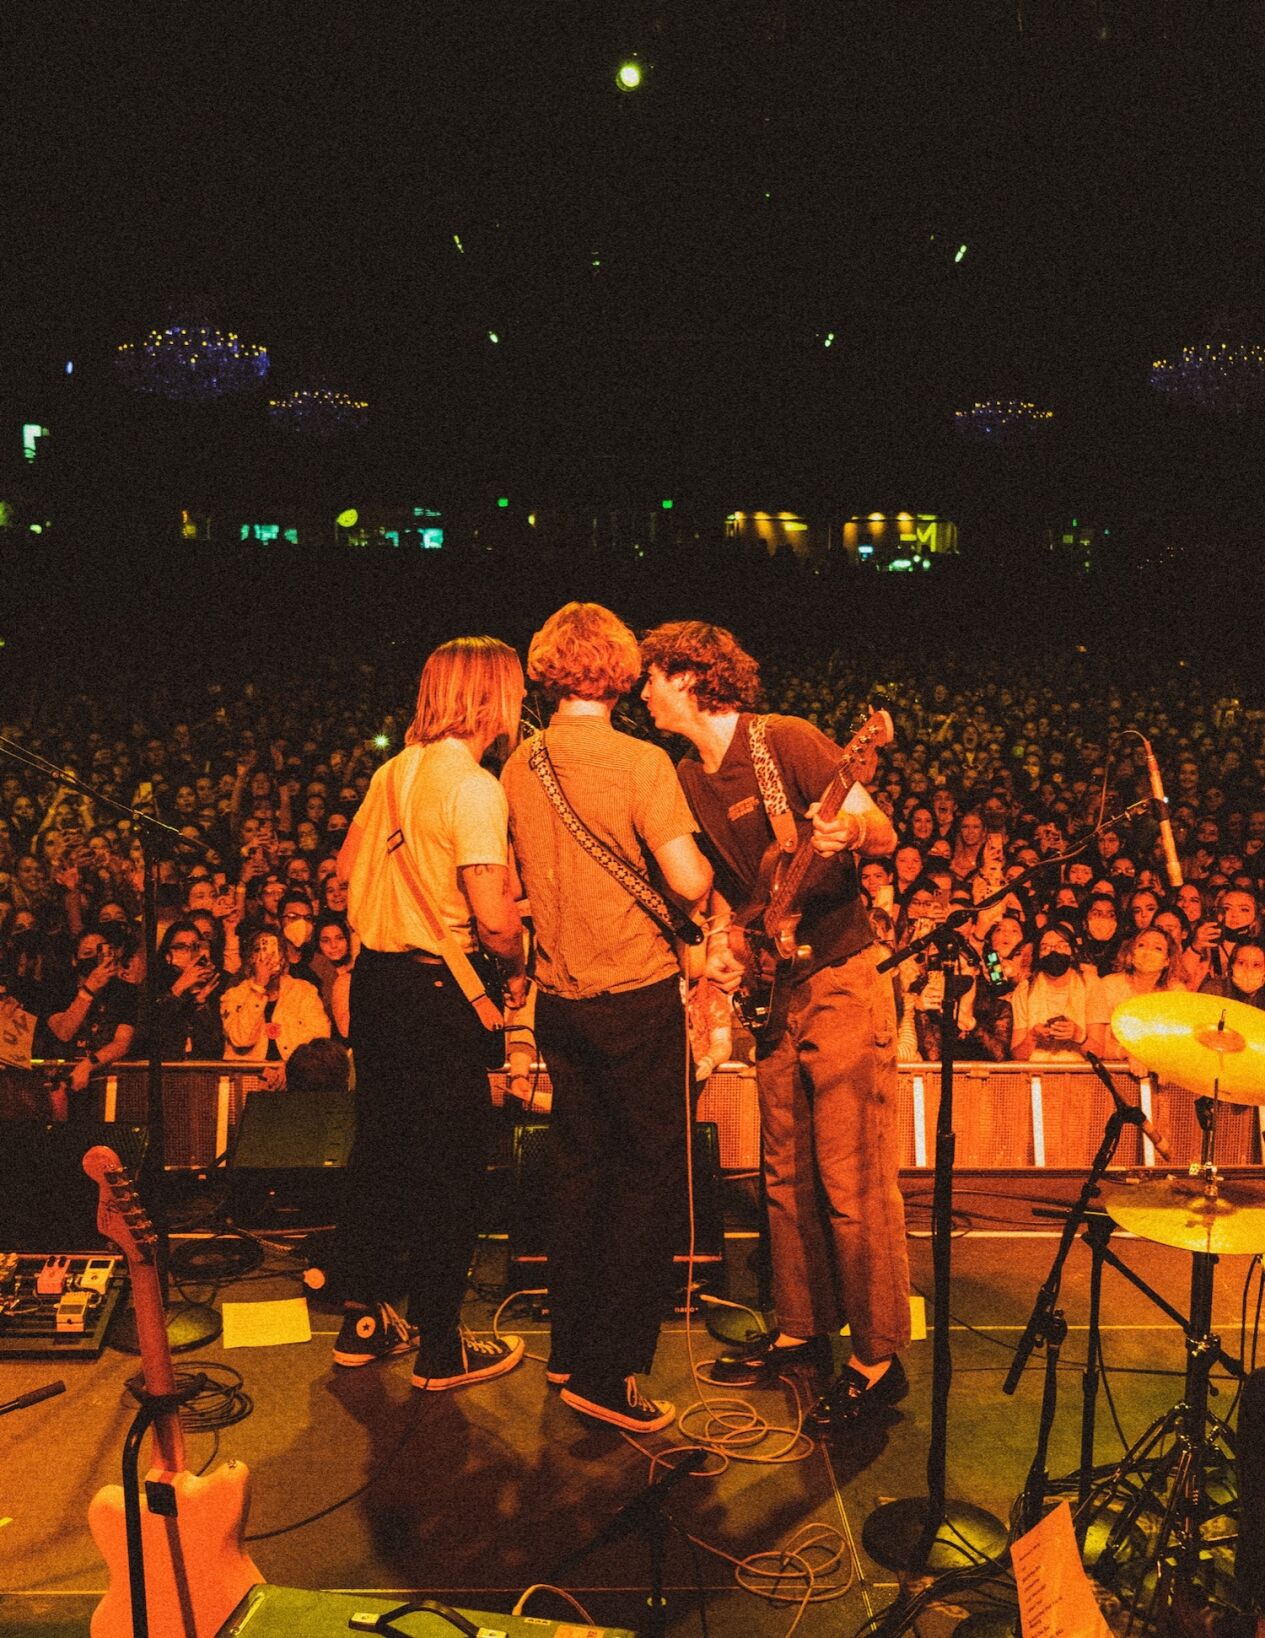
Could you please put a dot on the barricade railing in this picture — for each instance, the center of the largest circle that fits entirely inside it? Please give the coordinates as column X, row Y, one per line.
column 1007, row 1116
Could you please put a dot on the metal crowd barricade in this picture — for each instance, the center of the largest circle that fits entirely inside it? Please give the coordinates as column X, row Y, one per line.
column 1034, row 1115
column 202, row 1102
column 1007, row 1116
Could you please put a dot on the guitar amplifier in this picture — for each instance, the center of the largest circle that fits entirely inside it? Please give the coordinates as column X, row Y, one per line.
column 287, row 1612
column 730, row 1100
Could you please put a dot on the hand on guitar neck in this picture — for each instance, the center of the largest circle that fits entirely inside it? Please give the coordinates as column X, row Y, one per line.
column 849, row 831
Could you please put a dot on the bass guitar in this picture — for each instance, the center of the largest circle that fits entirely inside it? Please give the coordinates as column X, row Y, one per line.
column 192, row 1571
column 765, row 934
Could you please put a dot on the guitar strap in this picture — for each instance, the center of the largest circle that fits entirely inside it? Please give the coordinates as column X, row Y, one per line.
column 668, row 919
column 456, row 959
column 772, row 790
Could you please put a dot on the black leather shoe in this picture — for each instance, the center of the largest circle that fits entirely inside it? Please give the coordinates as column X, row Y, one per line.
column 761, row 1360
column 850, row 1398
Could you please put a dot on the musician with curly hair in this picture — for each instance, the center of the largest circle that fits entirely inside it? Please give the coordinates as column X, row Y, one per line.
column 827, row 1068
column 609, row 1015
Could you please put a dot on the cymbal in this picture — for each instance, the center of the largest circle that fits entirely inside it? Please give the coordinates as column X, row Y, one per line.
column 1173, row 1212
column 1198, row 1041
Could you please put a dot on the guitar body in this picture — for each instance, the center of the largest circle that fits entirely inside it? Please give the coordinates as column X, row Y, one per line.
column 196, row 1571
column 763, row 998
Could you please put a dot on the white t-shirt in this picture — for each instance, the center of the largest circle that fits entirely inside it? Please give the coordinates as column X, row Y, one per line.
column 1041, row 998
column 453, row 813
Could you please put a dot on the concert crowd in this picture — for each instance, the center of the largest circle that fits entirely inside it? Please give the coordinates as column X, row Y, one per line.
column 1030, row 773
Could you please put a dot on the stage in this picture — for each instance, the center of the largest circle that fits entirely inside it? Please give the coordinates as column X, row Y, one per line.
column 362, row 1484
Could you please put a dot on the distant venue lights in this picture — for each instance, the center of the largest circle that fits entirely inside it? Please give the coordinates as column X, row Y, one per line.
column 319, row 412
column 1225, row 377
column 1003, row 421
column 194, row 363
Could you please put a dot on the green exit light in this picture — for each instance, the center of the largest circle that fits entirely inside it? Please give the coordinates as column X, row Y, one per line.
column 32, row 432
column 503, row 501
column 667, row 505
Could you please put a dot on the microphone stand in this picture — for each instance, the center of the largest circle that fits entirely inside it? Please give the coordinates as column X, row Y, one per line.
column 189, row 1325
column 645, row 1514
column 926, row 1535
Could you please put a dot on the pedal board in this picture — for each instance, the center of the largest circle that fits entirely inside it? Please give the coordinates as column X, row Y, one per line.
column 55, row 1305
column 283, row 1612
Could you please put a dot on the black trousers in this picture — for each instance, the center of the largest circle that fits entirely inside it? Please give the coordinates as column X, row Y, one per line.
column 424, row 1126
column 617, row 1145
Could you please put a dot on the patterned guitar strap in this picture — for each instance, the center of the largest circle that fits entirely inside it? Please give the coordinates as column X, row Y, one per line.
column 772, row 790
column 632, row 881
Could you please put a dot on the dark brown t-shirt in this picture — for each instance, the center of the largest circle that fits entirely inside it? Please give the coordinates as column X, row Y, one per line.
column 737, row 833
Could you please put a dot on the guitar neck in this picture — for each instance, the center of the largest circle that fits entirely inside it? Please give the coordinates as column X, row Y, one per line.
column 877, row 731
column 122, row 1218
column 156, row 1366
column 796, row 868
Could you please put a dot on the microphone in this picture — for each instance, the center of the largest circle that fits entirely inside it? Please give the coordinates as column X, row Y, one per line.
column 1172, row 868
column 1157, row 1142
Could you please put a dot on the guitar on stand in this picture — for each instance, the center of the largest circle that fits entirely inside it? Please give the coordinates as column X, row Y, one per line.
column 176, row 1561
column 765, row 934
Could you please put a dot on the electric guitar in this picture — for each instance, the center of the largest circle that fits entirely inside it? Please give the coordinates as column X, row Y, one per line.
column 194, row 1569
column 765, row 934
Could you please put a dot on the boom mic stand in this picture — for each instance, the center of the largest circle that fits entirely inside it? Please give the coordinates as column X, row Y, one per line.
column 926, row 1535
column 189, row 1325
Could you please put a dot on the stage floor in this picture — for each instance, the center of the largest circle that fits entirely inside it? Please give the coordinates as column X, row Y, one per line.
column 364, row 1485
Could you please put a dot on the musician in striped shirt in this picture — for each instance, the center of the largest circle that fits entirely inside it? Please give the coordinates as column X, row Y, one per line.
column 609, row 1015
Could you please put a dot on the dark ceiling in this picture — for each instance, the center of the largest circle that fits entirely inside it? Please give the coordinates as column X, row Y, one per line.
column 373, row 191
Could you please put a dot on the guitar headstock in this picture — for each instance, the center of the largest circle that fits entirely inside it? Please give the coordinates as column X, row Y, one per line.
column 120, row 1215
column 860, row 759
column 877, row 731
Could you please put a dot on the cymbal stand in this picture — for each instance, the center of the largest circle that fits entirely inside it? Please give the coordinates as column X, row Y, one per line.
column 1046, row 1320
column 1098, row 1231
column 1164, row 1476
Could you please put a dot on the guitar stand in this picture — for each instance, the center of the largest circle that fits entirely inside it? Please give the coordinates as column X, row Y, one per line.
column 160, row 1497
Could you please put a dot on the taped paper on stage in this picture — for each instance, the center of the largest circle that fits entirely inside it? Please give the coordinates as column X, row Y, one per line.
column 266, row 1324
column 917, row 1320
column 1055, row 1596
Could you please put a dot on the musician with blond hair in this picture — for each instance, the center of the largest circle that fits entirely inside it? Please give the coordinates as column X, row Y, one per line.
column 609, row 1015
column 426, row 861
column 827, row 1071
